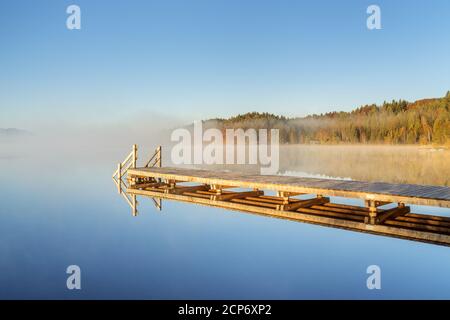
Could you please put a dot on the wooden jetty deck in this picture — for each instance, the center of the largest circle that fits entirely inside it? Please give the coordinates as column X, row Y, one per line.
column 386, row 208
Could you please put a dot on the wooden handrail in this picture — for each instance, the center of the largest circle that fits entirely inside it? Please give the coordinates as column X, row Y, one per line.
column 122, row 168
column 148, row 162
column 129, row 162
column 156, row 159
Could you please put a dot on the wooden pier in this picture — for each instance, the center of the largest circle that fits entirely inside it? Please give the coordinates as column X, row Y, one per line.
column 385, row 211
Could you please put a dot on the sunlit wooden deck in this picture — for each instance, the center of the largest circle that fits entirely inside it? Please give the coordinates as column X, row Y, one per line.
column 384, row 211
column 386, row 192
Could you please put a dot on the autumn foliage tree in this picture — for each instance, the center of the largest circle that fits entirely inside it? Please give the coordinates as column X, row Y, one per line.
column 397, row 122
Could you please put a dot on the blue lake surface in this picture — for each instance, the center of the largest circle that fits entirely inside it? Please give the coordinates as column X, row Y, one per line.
column 58, row 213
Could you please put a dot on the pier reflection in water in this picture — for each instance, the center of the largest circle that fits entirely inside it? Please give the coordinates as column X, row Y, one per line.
column 215, row 188
column 380, row 215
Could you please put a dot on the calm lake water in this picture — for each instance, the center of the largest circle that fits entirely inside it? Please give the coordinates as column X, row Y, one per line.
column 65, row 210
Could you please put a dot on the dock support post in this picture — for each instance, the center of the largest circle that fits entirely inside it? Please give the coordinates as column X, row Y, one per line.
column 284, row 196
column 373, row 210
column 134, row 206
column 171, row 185
column 217, row 189
column 378, row 217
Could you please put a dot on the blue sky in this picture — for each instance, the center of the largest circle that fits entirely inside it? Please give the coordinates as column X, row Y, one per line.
column 196, row 59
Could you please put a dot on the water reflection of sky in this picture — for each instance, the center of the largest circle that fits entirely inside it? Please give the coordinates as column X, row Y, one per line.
column 55, row 214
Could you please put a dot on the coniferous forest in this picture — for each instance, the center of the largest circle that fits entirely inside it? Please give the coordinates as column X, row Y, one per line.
column 424, row 121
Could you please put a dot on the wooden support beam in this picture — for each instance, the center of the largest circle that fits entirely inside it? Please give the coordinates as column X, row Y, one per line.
column 212, row 193
column 147, row 185
column 172, row 183
column 302, row 204
column 417, row 226
column 338, row 215
column 156, row 189
column 182, row 189
column 141, row 179
column 285, row 196
column 346, row 206
column 218, row 189
column 373, row 209
column 276, row 198
column 432, row 222
column 325, row 207
column 391, row 214
column 427, row 216
column 255, row 203
column 169, row 185
column 197, row 195
column 236, row 195
column 264, row 199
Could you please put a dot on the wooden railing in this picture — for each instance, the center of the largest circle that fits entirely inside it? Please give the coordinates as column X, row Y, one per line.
column 122, row 167
column 156, row 159
column 130, row 162
column 130, row 199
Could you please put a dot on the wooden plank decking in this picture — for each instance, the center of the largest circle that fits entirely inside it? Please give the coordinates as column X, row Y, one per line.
column 384, row 192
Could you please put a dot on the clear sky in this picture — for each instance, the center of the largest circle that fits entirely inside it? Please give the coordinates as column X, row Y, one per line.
column 197, row 59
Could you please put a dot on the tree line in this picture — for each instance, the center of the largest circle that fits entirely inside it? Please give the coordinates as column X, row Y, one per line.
column 424, row 121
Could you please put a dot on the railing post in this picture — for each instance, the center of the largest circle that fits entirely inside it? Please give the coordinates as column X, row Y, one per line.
column 159, row 159
column 119, row 178
column 134, row 206
column 134, row 160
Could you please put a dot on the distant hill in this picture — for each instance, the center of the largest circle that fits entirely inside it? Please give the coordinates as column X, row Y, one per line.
column 13, row 132
column 424, row 121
